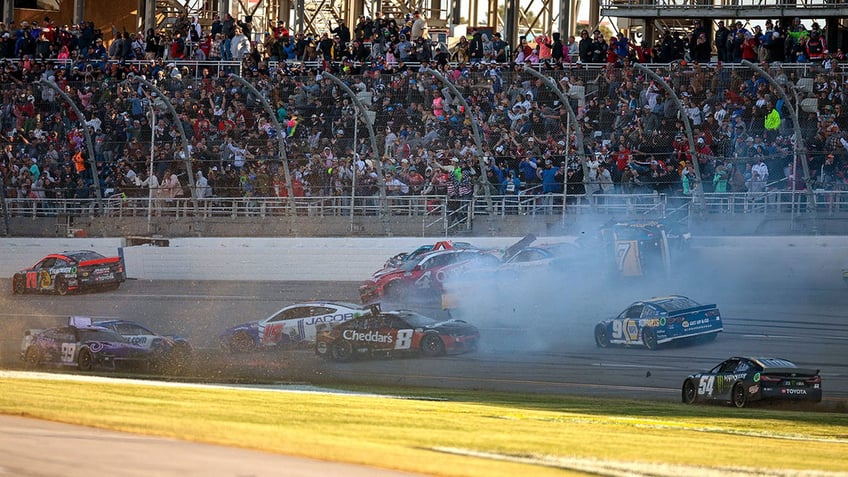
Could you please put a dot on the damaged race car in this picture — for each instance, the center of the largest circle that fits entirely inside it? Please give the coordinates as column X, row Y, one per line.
column 171, row 353
column 84, row 346
column 68, row 272
column 396, row 332
column 742, row 380
column 423, row 277
column 290, row 326
column 650, row 323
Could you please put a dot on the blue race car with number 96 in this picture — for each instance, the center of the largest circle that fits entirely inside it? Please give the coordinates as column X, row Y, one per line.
column 650, row 323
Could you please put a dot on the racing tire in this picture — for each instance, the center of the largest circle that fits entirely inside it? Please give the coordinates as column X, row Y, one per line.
column 342, row 351
column 649, row 337
column 738, row 397
column 601, row 336
column 241, row 343
column 32, row 359
column 432, row 346
column 85, row 361
column 689, row 394
column 61, row 286
column 18, row 285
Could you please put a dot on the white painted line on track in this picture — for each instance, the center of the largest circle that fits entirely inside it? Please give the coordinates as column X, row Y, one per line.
column 627, row 365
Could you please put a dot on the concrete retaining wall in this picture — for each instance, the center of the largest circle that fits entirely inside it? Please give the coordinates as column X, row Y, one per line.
column 353, row 259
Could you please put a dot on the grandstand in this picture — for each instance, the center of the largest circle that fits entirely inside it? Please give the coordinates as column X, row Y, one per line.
column 366, row 138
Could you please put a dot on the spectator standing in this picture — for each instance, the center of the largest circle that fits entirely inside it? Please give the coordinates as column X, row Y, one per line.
column 239, row 45
column 419, row 28
column 228, row 29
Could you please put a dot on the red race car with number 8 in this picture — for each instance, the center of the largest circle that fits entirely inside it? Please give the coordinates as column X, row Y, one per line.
column 391, row 332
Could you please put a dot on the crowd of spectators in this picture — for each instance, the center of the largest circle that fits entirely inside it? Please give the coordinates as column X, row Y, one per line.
column 633, row 133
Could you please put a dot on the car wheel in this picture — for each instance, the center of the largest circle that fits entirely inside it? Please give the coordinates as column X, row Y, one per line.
column 32, row 359
column 740, row 399
column 85, row 361
column 342, row 351
column 432, row 345
column 322, row 349
column 649, row 337
column 241, row 343
column 61, row 286
column 18, row 285
column 690, row 394
column 601, row 336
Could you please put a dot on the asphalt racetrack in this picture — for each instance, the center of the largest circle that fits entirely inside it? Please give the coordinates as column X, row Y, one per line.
column 543, row 344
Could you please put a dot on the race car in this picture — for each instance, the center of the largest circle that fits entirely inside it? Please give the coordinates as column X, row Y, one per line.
column 637, row 248
column 660, row 320
column 292, row 325
column 67, row 272
column 170, row 353
column 82, row 345
column 402, row 257
column 400, row 331
column 740, row 381
column 422, row 276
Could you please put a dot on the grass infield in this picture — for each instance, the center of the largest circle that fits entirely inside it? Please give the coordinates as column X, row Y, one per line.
column 457, row 433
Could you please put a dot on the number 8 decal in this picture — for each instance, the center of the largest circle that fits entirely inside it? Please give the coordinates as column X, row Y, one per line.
column 404, row 339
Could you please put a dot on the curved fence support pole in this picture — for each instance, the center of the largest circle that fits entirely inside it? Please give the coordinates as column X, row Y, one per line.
column 578, row 131
column 800, row 150
column 281, row 144
column 686, row 124
column 369, row 123
column 88, row 142
column 179, row 124
column 4, row 208
column 478, row 141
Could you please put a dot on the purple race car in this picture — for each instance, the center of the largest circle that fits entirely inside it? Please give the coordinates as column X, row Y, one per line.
column 83, row 346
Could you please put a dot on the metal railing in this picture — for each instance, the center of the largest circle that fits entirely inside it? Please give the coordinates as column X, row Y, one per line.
column 436, row 207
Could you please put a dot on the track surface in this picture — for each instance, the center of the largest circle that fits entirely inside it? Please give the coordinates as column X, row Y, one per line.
column 539, row 350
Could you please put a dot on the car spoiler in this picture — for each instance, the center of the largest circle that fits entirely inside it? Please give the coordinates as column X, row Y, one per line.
column 687, row 311
column 100, row 261
column 792, row 371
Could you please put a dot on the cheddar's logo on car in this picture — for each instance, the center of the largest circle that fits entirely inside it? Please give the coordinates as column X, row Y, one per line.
column 370, row 337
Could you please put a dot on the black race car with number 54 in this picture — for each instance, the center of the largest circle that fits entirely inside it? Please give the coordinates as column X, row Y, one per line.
column 67, row 272
column 391, row 332
column 743, row 380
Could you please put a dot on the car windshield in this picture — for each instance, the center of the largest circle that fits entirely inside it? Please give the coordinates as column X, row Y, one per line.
column 85, row 255
column 100, row 335
column 677, row 303
column 415, row 319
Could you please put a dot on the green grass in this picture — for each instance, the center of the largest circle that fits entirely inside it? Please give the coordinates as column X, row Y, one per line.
column 403, row 433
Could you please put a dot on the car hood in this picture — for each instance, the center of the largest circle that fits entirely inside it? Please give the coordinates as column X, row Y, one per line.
column 453, row 327
column 253, row 325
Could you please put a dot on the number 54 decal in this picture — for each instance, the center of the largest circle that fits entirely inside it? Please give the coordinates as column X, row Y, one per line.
column 706, row 385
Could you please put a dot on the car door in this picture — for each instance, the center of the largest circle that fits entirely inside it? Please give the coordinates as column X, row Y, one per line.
column 40, row 277
column 283, row 326
column 135, row 334
column 716, row 384
column 625, row 328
